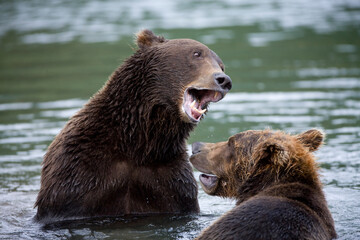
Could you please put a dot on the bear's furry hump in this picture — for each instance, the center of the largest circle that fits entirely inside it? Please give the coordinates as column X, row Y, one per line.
column 124, row 152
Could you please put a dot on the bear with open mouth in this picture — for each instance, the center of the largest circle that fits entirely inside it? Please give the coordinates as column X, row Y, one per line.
column 274, row 178
column 124, row 152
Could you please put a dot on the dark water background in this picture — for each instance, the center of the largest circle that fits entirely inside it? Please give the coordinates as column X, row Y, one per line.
column 295, row 65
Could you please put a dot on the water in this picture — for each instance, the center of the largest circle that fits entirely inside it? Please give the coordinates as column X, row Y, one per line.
column 295, row 65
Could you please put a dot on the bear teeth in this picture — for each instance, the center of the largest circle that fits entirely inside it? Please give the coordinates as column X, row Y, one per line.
column 201, row 111
column 192, row 106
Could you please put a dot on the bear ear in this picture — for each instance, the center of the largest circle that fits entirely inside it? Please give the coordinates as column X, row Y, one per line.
column 147, row 38
column 270, row 151
column 312, row 139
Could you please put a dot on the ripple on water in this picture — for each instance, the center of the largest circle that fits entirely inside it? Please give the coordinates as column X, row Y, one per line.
column 334, row 108
column 335, row 83
column 98, row 21
column 346, row 219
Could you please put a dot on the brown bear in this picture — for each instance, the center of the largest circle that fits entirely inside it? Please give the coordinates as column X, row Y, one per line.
column 273, row 176
column 124, row 152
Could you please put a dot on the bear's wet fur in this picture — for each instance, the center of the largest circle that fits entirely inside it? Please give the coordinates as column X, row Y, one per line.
column 124, row 152
column 274, row 178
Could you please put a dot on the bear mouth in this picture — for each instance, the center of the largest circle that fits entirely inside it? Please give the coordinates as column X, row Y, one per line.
column 208, row 182
column 196, row 102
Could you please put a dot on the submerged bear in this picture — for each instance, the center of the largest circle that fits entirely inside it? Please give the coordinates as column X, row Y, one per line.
column 273, row 176
column 124, row 152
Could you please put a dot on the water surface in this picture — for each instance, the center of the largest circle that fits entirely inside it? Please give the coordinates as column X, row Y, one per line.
column 295, row 65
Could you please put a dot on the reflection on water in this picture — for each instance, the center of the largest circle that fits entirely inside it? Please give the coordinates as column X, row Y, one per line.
column 294, row 66
column 94, row 21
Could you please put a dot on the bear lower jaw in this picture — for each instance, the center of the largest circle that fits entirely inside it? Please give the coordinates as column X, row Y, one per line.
column 209, row 182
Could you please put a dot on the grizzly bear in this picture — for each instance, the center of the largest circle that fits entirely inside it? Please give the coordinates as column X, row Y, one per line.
column 124, row 152
column 273, row 176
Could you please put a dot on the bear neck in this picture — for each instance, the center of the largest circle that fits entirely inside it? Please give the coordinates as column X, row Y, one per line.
column 301, row 175
column 304, row 188
column 311, row 196
column 147, row 129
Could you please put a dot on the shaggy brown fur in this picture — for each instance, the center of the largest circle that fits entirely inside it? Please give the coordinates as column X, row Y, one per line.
column 124, row 152
column 273, row 176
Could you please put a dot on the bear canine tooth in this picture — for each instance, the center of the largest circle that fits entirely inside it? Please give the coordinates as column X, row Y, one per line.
column 192, row 105
column 201, row 111
column 216, row 94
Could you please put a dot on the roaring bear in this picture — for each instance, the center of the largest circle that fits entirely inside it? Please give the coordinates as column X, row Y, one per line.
column 273, row 176
column 124, row 152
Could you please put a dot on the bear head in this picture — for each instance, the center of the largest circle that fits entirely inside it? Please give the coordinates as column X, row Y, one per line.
column 252, row 160
column 183, row 64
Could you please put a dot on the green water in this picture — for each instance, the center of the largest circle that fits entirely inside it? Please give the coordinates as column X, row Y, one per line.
column 284, row 77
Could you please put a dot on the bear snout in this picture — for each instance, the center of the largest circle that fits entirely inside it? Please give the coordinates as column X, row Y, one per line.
column 223, row 81
column 196, row 147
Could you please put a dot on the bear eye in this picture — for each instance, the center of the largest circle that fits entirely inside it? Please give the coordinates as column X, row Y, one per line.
column 197, row 54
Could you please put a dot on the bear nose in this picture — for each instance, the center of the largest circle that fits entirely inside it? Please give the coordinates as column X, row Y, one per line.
column 196, row 147
column 223, row 80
